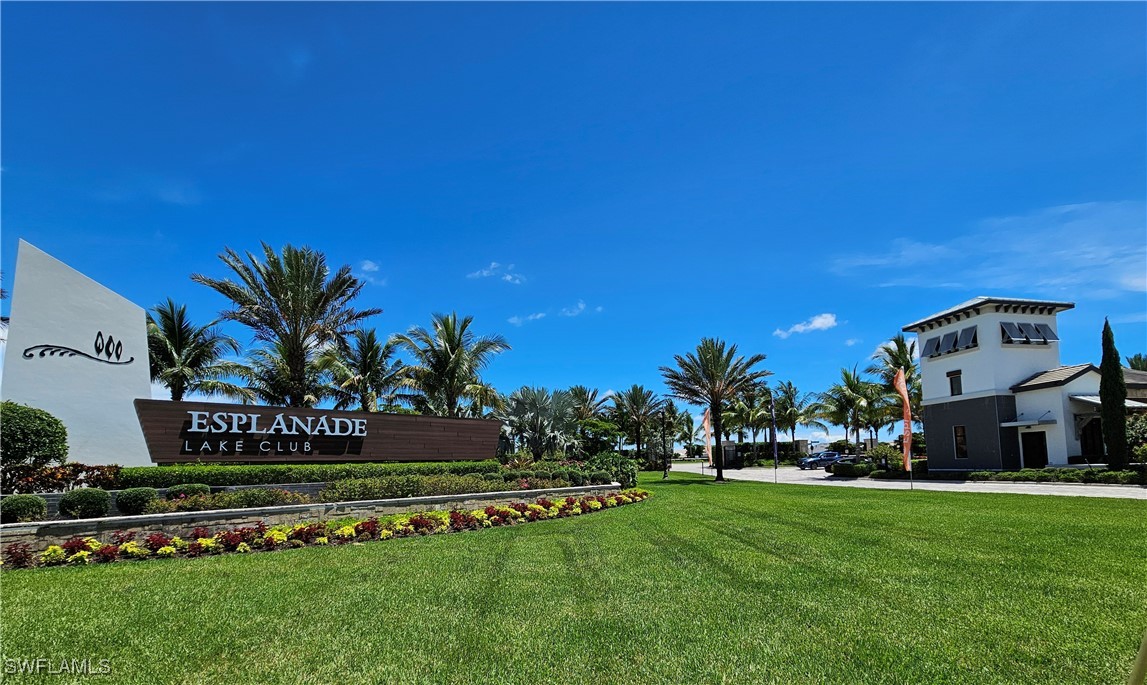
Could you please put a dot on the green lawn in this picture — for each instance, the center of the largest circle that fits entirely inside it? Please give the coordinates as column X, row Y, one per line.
column 738, row 583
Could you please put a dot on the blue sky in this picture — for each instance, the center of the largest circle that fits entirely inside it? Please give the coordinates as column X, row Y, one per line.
column 603, row 184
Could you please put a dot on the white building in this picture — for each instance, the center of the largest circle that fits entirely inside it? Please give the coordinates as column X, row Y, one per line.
column 994, row 393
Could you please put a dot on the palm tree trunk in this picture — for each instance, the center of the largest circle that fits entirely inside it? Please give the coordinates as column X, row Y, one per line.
column 754, row 446
column 637, row 444
column 715, row 412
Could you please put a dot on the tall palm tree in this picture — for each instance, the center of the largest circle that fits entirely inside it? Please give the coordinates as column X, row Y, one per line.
column 448, row 360
column 588, row 406
column 270, row 379
column 687, row 431
column 751, row 412
column 899, row 353
column 845, row 402
column 638, row 406
column 713, row 376
column 187, row 358
column 362, row 371
column 1137, row 362
column 796, row 409
column 293, row 304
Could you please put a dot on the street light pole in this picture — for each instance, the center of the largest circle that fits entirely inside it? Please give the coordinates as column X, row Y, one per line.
column 773, row 416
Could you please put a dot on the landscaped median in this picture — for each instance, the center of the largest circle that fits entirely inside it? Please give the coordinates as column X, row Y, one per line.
column 124, row 546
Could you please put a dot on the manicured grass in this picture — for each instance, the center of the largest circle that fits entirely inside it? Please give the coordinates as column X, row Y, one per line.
column 742, row 582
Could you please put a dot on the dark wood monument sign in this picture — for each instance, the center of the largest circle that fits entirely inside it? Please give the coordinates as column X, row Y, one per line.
column 208, row 431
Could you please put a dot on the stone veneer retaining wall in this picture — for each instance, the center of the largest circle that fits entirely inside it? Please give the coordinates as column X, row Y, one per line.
column 52, row 499
column 39, row 534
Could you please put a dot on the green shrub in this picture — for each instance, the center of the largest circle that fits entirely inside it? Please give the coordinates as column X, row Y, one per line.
column 419, row 486
column 85, row 503
column 852, row 470
column 560, row 474
column 514, row 474
column 543, row 475
column 576, row 477
column 15, row 508
column 235, row 499
column 32, row 437
column 620, row 469
column 920, row 467
column 599, row 477
column 188, row 490
column 881, row 453
column 134, row 500
column 981, row 475
column 493, row 477
column 273, row 474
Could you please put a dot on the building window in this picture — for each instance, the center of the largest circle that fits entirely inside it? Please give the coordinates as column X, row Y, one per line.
column 961, row 437
column 955, row 383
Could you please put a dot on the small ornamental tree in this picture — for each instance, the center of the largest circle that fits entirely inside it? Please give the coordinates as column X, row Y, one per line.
column 1113, row 402
column 31, row 437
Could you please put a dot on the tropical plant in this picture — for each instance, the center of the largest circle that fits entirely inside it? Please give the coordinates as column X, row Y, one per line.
column 269, row 379
column 899, row 353
column 1137, row 362
column 362, row 371
column 845, row 402
column 713, row 376
column 293, row 304
column 589, row 409
column 543, row 421
column 638, row 406
column 688, row 432
column 186, row 358
column 752, row 412
column 796, row 409
column 448, row 360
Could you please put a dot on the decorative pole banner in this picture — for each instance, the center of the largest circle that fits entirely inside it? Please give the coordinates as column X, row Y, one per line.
column 708, row 436
column 902, row 388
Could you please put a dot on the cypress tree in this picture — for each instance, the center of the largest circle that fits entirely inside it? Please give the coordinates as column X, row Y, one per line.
column 1113, row 402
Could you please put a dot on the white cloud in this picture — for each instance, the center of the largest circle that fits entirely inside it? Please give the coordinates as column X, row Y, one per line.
column 1094, row 249
column 599, row 309
column 852, row 341
column 505, row 273
column 820, row 322
column 368, row 271
column 488, row 271
column 519, row 320
column 574, row 310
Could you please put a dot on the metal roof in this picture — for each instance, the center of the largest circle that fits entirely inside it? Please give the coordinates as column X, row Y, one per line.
column 1061, row 375
column 1094, row 399
column 972, row 307
column 1134, row 379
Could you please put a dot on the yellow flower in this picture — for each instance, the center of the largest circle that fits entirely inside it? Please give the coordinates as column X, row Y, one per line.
column 53, row 555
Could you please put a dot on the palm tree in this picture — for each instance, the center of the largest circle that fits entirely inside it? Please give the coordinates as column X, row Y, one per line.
column 795, row 409
column 187, row 358
column 546, row 422
column 687, row 431
column 588, row 406
column 899, row 353
column 638, row 406
column 293, row 304
column 362, row 371
column 448, row 360
column 1137, row 362
column 270, row 380
column 845, row 402
column 751, row 412
column 713, row 376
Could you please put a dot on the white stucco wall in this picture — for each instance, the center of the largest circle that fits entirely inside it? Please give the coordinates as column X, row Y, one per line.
column 1056, row 402
column 92, row 391
column 992, row 368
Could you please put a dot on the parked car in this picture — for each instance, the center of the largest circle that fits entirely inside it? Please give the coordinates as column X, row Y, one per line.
column 817, row 460
column 847, row 460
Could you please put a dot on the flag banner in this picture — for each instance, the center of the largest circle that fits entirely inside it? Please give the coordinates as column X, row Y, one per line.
column 708, row 436
column 902, row 388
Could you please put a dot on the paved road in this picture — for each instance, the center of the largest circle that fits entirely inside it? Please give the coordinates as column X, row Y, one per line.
column 793, row 476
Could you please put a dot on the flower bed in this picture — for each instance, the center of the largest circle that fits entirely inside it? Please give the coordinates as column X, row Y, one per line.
column 79, row 551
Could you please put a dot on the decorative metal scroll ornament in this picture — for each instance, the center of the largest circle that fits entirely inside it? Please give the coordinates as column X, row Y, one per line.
column 105, row 348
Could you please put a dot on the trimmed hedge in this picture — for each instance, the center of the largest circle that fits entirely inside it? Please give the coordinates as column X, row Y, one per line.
column 1060, row 475
column 852, row 470
column 389, row 487
column 188, row 490
column 85, row 503
column 134, row 500
column 16, row 508
column 270, row 474
column 236, row 499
